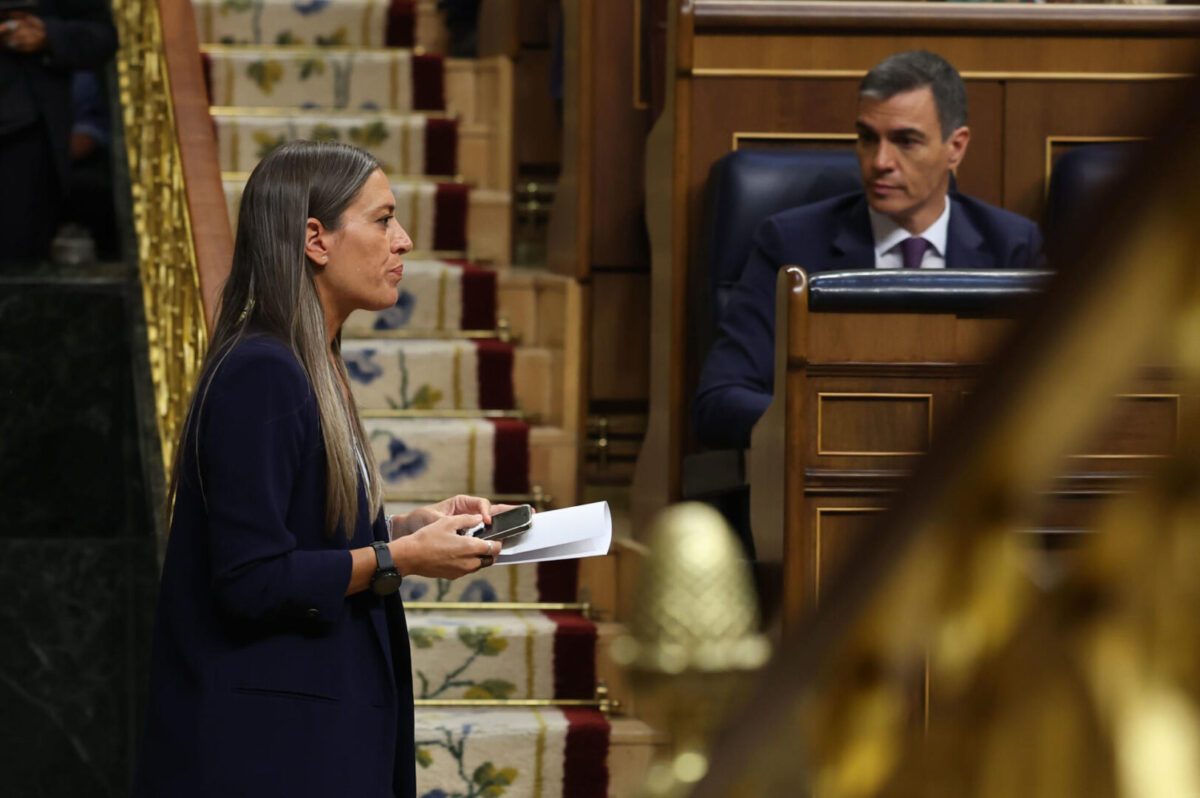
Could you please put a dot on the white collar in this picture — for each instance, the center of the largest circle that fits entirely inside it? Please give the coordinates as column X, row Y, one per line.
column 888, row 234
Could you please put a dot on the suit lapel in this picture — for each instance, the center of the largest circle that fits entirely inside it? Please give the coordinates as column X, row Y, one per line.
column 964, row 242
column 853, row 245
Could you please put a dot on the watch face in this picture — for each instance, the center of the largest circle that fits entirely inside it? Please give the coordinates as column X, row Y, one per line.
column 386, row 582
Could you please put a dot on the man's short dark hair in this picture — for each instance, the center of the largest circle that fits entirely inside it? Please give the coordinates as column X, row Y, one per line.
column 917, row 69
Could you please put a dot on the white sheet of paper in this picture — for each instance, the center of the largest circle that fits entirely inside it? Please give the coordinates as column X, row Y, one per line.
column 581, row 531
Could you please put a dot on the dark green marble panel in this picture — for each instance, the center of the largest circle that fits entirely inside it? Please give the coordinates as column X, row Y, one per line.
column 74, row 631
column 69, row 462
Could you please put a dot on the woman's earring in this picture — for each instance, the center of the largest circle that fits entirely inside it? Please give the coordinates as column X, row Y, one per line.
column 246, row 310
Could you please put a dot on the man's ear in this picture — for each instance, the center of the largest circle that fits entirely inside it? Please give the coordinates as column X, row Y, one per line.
column 316, row 241
column 957, row 143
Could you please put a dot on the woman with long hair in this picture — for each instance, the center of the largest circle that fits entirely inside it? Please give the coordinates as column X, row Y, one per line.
column 280, row 663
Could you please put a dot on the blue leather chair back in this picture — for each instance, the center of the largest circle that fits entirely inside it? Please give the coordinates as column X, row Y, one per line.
column 745, row 187
column 1079, row 178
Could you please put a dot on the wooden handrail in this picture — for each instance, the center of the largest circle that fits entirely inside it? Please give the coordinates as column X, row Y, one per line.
column 211, row 232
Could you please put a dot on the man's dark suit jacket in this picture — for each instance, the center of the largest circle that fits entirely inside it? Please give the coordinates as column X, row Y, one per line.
column 79, row 35
column 265, row 680
column 738, row 376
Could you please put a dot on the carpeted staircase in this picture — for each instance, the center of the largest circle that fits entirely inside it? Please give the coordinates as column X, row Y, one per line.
column 454, row 397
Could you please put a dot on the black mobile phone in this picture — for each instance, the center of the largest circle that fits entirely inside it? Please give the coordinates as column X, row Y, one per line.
column 507, row 524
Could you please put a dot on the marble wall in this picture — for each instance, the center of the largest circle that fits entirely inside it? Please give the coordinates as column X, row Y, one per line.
column 77, row 553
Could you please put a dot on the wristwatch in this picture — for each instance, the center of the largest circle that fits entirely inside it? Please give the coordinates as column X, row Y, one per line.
column 386, row 579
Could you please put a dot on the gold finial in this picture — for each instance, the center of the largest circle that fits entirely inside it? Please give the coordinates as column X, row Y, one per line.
column 694, row 636
column 696, row 607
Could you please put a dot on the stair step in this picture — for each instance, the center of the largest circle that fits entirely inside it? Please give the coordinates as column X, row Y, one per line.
column 427, row 458
column 632, row 747
column 442, row 457
column 525, row 654
column 359, row 23
column 437, row 216
column 523, row 582
column 522, row 752
column 430, row 375
column 434, row 295
column 326, row 77
column 405, row 144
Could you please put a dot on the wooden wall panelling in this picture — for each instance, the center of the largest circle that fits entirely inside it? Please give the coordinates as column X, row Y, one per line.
column 759, row 67
column 722, row 107
column 537, row 23
column 619, row 139
column 538, row 135
column 854, row 410
column 1039, row 111
column 982, row 172
column 568, row 238
column 499, row 27
column 620, row 312
column 837, row 524
column 657, row 474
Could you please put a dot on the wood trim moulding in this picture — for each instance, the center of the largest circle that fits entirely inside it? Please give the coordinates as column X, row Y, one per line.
column 857, row 481
column 302, row 50
column 1175, row 397
column 817, row 538
column 856, row 74
column 897, row 370
column 766, row 135
column 878, row 481
column 349, row 113
column 1083, row 19
column 241, row 177
column 870, row 396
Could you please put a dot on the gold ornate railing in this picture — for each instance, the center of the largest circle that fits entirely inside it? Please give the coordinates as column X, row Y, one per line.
column 178, row 286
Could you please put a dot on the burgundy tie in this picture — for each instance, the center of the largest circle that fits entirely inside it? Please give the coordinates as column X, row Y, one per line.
column 913, row 250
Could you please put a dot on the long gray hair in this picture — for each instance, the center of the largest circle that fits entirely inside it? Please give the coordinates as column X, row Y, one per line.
column 270, row 290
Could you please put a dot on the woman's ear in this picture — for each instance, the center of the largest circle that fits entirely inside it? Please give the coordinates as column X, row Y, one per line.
column 316, row 241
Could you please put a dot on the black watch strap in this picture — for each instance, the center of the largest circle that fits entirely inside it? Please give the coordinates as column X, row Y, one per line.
column 383, row 556
column 386, row 578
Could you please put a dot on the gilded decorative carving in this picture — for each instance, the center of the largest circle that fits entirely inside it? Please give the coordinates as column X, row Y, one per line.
column 175, row 321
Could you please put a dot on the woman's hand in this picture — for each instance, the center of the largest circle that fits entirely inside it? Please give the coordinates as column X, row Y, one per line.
column 437, row 549
column 456, row 505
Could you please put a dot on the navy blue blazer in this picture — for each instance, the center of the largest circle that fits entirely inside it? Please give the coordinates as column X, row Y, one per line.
column 265, row 680
column 832, row 235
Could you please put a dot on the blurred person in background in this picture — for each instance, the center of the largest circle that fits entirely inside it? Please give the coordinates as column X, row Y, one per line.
column 42, row 42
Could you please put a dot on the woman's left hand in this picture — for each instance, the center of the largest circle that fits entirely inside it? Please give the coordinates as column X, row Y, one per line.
column 456, row 505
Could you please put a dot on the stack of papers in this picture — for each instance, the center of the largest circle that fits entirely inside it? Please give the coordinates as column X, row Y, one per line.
column 569, row 533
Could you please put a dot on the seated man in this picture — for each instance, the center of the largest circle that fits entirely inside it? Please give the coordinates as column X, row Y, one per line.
column 912, row 133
